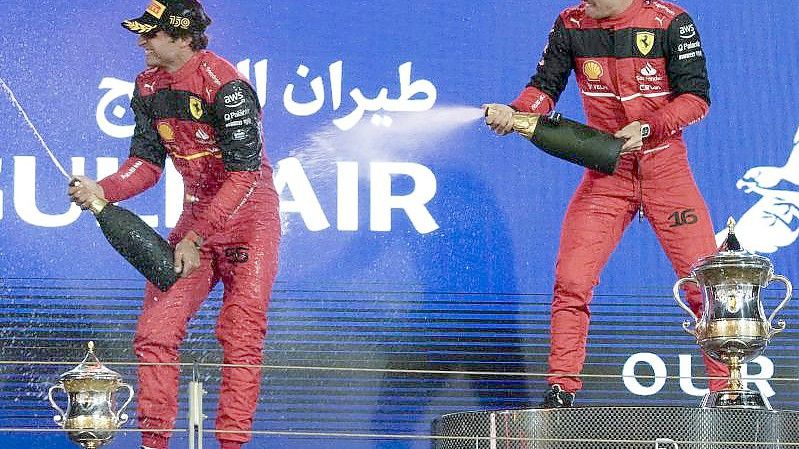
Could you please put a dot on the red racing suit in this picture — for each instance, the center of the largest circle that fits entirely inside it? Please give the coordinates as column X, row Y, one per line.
column 206, row 117
column 644, row 64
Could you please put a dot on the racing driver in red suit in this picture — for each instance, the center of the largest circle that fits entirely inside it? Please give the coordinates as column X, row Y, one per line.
column 640, row 68
column 194, row 106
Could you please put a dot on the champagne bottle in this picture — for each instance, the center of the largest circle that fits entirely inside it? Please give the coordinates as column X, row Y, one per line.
column 137, row 242
column 569, row 140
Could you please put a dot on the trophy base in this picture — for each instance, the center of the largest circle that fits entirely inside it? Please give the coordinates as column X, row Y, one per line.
column 90, row 444
column 736, row 399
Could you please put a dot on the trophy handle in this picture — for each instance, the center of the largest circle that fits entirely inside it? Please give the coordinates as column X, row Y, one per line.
column 122, row 418
column 788, row 292
column 676, row 291
column 61, row 416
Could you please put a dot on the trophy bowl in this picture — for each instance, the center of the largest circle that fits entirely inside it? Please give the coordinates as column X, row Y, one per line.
column 733, row 328
column 91, row 418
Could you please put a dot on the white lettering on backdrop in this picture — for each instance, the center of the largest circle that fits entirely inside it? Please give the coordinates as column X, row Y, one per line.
column 650, row 384
column 290, row 180
column 414, row 96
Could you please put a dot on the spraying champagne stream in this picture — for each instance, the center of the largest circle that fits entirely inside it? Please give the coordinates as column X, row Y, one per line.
column 128, row 234
column 16, row 104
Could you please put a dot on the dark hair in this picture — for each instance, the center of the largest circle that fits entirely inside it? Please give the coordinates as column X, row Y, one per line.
column 199, row 40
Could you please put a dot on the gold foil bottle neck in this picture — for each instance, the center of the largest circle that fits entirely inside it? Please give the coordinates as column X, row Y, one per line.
column 97, row 205
column 524, row 123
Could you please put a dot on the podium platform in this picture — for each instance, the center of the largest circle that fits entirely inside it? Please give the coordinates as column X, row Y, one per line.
column 618, row 428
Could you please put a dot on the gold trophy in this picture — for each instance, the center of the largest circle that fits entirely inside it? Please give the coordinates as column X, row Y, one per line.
column 90, row 417
column 568, row 140
column 733, row 328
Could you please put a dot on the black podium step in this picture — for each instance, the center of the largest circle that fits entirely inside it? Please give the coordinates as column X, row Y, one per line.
column 618, row 428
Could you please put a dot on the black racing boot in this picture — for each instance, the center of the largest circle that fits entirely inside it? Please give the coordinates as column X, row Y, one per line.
column 555, row 397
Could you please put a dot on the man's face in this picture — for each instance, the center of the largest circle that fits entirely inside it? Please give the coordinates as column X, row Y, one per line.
column 160, row 49
column 601, row 9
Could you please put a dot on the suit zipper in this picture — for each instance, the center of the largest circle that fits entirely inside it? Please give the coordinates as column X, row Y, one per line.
column 638, row 187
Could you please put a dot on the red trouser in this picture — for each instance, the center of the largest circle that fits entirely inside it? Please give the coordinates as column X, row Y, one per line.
column 601, row 208
column 244, row 258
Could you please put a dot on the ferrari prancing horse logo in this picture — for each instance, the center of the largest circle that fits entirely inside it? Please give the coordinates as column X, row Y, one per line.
column 195, row 107
column 645, row 40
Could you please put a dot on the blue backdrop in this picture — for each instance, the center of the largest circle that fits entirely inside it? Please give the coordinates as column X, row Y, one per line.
column 406, row 247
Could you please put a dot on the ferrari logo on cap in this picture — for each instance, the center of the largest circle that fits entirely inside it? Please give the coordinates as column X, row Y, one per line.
column 645, row 40
column 156, row 9
column 195, row 107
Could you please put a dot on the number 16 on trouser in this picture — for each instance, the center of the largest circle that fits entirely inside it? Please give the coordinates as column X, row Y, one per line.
column 660, row 184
